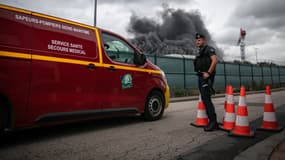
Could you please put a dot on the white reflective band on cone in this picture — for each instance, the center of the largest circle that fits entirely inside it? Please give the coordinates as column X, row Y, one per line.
column 269, row 116
column 242, row 121
column 242, row 101
column 200, row 99
column 230, row 99
column 268, row 99
column 202, row 114
column 230, row 117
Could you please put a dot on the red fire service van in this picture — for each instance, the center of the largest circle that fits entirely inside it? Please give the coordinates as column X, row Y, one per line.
column 54, row 71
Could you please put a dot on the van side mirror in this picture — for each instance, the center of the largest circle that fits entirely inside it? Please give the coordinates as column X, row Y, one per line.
column 140, row 59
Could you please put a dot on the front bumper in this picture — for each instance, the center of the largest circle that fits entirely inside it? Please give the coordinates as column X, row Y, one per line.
column 167, row 96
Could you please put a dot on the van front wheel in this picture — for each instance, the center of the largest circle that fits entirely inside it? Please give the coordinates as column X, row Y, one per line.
column 154, row 106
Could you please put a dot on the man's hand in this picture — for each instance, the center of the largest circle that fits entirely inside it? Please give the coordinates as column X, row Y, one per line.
column 206, row 75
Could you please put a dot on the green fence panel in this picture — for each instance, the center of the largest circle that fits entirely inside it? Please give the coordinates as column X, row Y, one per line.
column 246, row 80
column 189, row 67
column 233, row 80
column 282, row 74
column 245, row 70
column 257, row 80
column 266, row 71
column 219, row 82
column 180, row 73
column 267, row 80
column 282, row 70
column 275, row 75
column 191, row 81
column 170, row 64
column 275, row 80
column 257, row 71
column 282, row 79
column 220, row 68
column 274, row 71
column 175, row 81
column 232, row 69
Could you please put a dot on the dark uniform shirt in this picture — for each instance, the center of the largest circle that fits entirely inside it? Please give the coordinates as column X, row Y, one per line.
column 203, row 61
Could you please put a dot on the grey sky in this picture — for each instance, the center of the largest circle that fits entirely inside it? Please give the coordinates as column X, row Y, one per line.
column 262, row 19
column 268, row 15
column 265, row 25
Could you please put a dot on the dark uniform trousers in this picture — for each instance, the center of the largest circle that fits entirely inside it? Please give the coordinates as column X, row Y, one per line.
column 205, row 87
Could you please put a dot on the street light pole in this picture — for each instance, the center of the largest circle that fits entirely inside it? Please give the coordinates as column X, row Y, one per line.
column 95, row 12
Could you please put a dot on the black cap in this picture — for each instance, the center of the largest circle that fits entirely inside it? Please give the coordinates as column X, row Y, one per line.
column 199, row 35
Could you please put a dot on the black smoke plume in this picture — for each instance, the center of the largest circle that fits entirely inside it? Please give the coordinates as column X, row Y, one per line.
column 174, row 35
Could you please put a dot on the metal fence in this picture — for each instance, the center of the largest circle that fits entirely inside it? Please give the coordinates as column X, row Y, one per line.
column 181, row 75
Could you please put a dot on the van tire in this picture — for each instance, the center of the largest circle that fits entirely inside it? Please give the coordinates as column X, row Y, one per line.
column 154, row 106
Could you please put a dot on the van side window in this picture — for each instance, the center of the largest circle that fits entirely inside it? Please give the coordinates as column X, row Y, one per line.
column 117, row 49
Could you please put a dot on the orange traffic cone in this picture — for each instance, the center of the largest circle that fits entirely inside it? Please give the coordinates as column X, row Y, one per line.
column 202, row 117
column 269, row 117
column 226, row 98
column 242, row 124
column 230, row 116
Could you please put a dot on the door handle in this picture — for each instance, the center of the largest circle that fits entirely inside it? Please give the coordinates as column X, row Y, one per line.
column 91, row 66
column 112, row 68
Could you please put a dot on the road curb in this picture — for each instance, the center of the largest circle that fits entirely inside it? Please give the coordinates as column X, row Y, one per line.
column 262, row 150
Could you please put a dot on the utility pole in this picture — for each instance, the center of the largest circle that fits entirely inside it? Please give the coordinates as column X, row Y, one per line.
column 95, row 12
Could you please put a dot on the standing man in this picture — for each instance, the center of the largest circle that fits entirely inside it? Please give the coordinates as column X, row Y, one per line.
column 205, row 64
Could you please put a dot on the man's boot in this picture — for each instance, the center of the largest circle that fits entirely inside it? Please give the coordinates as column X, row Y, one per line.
column 212, row 126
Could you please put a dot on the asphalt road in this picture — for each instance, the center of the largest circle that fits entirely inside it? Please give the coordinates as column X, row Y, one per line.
column 126, row 138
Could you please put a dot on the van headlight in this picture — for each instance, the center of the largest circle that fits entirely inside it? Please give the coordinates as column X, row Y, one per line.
column 163, row 76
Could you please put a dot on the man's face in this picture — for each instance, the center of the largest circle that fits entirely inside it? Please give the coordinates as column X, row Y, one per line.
column 200, row 42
